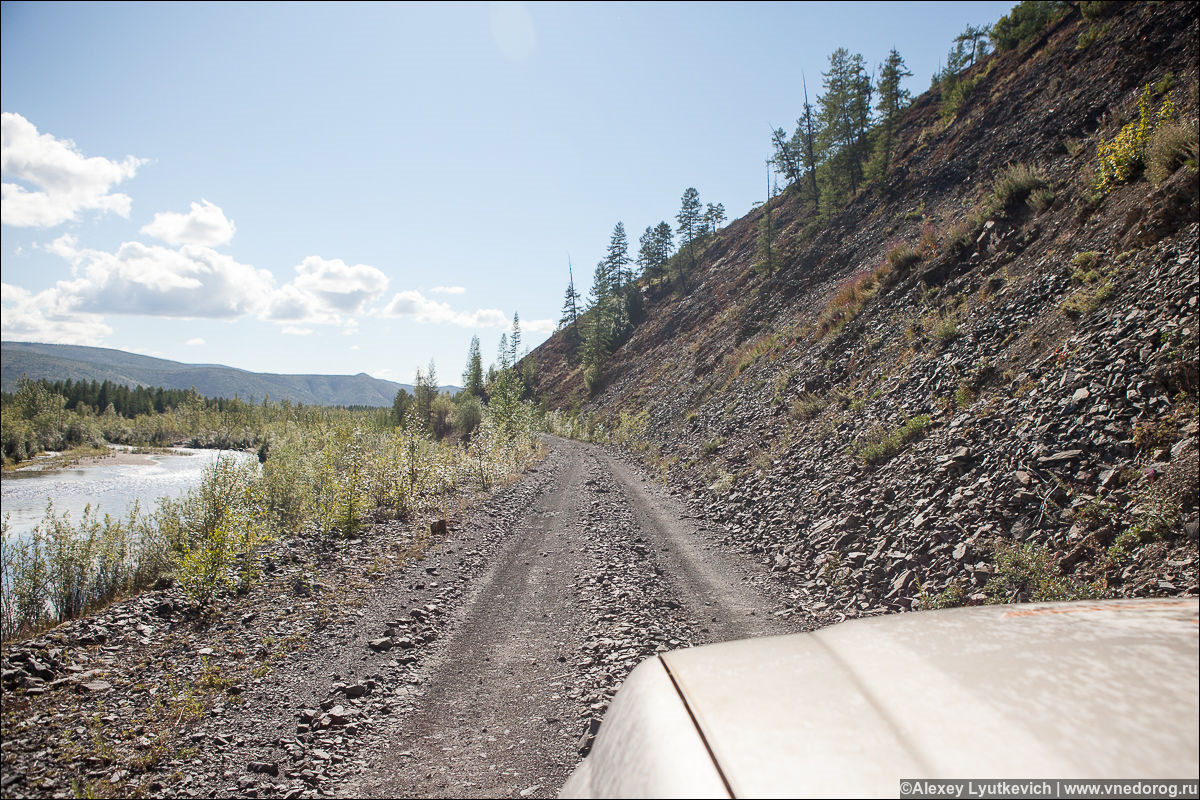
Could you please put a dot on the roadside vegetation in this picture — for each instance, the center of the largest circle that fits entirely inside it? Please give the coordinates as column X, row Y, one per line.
column 318, row 472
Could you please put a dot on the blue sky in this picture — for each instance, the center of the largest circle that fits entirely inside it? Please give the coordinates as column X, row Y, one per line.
column 342, row 188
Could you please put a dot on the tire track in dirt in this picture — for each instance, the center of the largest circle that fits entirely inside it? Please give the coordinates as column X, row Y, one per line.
column 599, row 571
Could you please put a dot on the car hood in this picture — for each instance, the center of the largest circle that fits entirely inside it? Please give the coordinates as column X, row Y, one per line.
column 1094, row 690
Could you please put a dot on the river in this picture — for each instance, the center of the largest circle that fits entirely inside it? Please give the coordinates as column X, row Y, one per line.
column 110, row 485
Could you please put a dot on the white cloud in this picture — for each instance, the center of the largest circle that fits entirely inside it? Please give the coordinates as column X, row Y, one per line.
column 539, row 325
column 44, row 318
column 413, row 304
column 66, row 181
column 203, row 224
column 325, row 291
column 195, row 342
column 193, row 281
column 448, row 290
column 292, row 330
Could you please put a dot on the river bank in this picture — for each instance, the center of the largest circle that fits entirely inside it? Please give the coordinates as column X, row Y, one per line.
column 110, row 705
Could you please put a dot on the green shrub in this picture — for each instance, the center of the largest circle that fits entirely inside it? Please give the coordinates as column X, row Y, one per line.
column 1090, row 36
column 953, row 596
column 943, row 329
column 1028, row 573
column 1086, row 260
column 955, row 94
column 712, row 446
column 1095, row 9
column 1123, row 157
column 1014, row 184
column 962, row 235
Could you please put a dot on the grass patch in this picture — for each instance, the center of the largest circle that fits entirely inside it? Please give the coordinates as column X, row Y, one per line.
column 807, row 406
column 1087, row 299
column 902, row 256
column 879, row 446
column 1171, row 146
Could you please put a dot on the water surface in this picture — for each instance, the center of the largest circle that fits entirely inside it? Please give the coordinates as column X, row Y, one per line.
column 110, row 488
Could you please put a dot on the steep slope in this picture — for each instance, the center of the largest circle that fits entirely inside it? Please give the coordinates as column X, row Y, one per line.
column 74, row 362
column 1011, row 415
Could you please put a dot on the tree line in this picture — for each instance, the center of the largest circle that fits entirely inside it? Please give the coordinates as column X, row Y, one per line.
column 501, row 390
column 127, row 401
column 597, row 325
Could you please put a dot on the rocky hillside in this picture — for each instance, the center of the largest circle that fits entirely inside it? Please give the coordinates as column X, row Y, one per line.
column 975, row 381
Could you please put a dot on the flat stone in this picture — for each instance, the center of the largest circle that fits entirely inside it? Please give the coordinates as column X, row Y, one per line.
column 1061, row 457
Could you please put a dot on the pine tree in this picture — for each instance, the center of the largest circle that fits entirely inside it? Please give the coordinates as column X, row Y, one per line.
column 424, row 391
column 473, row 374
column 893, row 99
column 688, row 227
column 664, row 238
column 502, row 352
column 977, row 39
column 617, row 260
column 785, row 158
column 514, row 341
column 570, row 311
column 807, row 133
column 844, row 117
column 714, row 216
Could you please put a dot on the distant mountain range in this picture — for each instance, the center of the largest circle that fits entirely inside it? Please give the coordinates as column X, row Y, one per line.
column 74, row 362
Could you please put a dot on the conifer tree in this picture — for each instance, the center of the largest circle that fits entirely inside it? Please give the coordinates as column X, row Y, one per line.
column 975, row 40
column 714, row 216
column 893, row 99
column 844, row 117
column 602, row 286
column 688, row 227
column 785, row 158
column 617, row 260
column 807, row 133
column 502, row 352
column 570, row 310
column 473, row 374
column 514, row 340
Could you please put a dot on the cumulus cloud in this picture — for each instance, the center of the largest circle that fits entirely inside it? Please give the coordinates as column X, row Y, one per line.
column 43, row 317
column 324, row 291
column 539, row 326
column 65, row 180
column 195, row 341
column 448, row 290
column 204, row 224
column 414, row 304
column 192, row 281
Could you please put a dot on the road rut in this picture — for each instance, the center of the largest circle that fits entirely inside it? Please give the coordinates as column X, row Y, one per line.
column 598, row 571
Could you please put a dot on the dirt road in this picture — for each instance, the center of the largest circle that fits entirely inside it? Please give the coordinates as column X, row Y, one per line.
column 481, row 669
column 598, row 571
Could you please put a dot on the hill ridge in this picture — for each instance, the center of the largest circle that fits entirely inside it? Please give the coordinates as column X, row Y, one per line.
column 81, row 362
